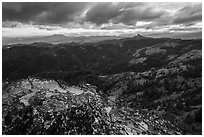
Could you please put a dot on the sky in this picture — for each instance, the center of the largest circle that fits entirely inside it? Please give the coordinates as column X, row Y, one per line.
column 177, row 19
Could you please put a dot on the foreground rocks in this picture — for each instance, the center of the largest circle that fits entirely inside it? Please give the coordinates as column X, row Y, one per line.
column 42, row 107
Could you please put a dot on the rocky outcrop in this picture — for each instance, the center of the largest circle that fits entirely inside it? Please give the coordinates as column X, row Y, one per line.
column 52, row 108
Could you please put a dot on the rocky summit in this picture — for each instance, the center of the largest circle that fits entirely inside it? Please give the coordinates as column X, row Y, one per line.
column 43, row 107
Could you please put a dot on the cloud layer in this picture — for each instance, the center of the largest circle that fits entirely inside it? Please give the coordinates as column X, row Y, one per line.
column 143, row 17
column 42, row 13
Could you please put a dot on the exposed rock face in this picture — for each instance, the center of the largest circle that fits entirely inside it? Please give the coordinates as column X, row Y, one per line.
column 49, row 108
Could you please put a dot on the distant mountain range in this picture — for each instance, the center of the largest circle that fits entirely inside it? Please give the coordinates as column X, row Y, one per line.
column 55, row 39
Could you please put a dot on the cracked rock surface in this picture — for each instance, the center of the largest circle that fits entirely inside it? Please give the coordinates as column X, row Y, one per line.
column 42, row 107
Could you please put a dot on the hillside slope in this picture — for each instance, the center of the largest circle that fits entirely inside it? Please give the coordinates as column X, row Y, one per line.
column 144, row 85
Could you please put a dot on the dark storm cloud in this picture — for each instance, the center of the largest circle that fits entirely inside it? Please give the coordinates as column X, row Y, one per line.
column 21, row 11
column 102, row 13
column 98, row 13
column 189, row 14
column 189, row 19
column 41, row 13
column 127, row 13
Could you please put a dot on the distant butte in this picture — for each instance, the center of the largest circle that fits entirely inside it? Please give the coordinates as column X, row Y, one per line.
column 139, row 36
